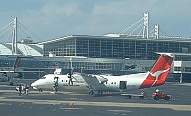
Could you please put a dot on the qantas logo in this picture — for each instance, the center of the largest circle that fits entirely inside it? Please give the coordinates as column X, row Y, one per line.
column 157, row 74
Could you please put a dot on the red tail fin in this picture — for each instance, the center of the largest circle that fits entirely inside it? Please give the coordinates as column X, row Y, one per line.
column 160, row 71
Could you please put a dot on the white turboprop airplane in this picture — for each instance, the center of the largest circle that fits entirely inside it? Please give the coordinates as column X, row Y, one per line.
column 156, row 77
column 57, row 81
column 104, row 83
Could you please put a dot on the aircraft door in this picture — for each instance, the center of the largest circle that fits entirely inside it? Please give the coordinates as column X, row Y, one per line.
column 123, row 85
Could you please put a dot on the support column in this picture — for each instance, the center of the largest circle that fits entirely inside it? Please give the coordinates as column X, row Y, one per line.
column 156, row 31
column 146, row 25
column 14, row 38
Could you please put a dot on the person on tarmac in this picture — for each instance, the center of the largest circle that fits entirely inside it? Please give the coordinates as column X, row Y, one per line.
column 26, row 89
column 20, row 89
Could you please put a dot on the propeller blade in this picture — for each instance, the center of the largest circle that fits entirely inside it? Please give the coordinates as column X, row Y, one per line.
column 56, row 84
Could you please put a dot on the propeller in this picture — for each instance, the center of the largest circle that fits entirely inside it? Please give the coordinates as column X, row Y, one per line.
column 56, row 83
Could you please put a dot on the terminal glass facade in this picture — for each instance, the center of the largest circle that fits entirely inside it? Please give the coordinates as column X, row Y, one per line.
column 117, row 48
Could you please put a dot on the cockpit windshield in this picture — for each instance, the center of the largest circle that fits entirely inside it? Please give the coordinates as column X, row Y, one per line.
column 43, row 77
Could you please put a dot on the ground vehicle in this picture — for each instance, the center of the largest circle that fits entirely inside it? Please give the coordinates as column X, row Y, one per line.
column 161, row 95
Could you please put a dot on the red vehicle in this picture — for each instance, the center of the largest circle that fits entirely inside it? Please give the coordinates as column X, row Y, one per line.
column 161, row 95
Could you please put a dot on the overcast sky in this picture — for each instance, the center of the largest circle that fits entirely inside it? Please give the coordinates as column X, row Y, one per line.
column 48, row 19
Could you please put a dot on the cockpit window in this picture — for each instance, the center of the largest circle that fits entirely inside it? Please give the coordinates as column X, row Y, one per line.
column 43, row 77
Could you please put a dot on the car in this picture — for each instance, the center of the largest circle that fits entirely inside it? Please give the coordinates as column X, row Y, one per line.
column 161, row 95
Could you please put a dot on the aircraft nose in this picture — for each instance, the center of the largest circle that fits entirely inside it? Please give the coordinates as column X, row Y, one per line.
column 34, row 85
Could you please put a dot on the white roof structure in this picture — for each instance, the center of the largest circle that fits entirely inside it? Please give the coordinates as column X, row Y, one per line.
column 23, row 49
column 5, row 50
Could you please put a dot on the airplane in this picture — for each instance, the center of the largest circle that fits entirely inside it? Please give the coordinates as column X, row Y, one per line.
column 57, row 81
column 98, row 84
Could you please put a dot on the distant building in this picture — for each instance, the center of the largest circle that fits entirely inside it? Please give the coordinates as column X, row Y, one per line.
column 116, row 47
column 24, row 49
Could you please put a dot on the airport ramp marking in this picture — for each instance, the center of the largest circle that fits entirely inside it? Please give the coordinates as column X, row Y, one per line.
column 119, row 111
column 70, row 108
column 102, row 104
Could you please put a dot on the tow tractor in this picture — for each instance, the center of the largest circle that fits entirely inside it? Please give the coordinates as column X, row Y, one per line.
column 161, row 95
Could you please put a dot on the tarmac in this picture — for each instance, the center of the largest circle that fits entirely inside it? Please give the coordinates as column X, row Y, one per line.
column 78, row 103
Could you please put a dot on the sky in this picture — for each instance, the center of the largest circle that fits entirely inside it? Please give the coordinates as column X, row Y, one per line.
column 49, row 19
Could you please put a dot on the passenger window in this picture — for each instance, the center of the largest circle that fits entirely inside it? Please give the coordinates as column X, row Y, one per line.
column 111, row 82
column 66, row 80
column 114, row 82
column 62, row 81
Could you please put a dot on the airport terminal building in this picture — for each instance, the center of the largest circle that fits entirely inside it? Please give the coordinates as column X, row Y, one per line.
column 115, row 47
column 101, row 54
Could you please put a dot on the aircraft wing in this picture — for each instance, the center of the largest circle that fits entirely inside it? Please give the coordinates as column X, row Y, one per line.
column 93, row 82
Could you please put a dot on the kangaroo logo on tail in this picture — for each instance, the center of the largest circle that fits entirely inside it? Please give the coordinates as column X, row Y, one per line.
column 159, row 72
column 157, row 75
